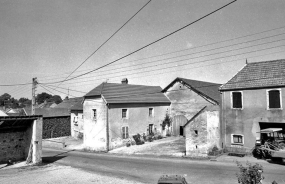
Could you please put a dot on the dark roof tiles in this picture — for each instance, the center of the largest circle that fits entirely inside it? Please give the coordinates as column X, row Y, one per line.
column 258, row 75
column 128, row 93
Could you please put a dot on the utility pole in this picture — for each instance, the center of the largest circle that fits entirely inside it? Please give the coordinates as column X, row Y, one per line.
column 34, row 86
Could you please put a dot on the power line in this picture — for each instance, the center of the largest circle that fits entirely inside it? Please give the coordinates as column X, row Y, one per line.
column 107, row 40
column 149, row 43
column 166, row 67
column 197, row 53
column 57, row 90
column 236, row 38
column 188, row 64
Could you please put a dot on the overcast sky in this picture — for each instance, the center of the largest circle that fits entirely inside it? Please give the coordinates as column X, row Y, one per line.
column 49, row 39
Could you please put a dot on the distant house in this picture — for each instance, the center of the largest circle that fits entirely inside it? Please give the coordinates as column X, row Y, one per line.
column 46, row 104
column 195, row 113
column 251, row 101
column 68, row 103
column 2, row 113
column 114, row 112
column 76, row 114
column 15, row 112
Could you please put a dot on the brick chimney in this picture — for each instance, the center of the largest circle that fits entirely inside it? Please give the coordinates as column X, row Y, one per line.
column 124, row 81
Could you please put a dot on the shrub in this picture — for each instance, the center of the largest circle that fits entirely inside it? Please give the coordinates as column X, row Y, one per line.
column 128, row 144
column 167, row 121
column 159, row 137
column 250, row 174
column 80, row 135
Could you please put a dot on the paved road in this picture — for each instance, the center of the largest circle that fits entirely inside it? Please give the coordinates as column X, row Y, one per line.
column 148, row 170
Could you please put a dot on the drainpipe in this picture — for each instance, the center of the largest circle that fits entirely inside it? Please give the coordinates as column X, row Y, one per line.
column 107, row 129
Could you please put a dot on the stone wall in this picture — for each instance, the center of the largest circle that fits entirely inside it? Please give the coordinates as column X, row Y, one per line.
column 202, row 134
column 12, row 146
column 56, row 127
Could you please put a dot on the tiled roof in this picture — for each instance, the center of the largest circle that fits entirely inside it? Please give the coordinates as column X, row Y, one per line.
column 77, row 107
column 128, row 93
column 68, row 103
column 258, row 75
column 208, row 89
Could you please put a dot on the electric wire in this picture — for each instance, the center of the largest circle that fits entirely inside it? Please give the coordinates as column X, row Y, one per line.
column 147, row 44
column 107, row 40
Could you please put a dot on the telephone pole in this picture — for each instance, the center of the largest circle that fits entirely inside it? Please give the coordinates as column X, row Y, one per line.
column 34, row 86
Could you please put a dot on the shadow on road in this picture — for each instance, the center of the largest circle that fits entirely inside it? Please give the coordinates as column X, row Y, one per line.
column 51, row 159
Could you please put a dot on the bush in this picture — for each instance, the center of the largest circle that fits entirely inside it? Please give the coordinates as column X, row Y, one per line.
column 250, row 174
column 159, row 137
column 80, row 135
column 128, row 144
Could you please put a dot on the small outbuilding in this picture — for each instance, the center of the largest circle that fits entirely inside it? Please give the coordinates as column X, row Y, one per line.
column 21, row 139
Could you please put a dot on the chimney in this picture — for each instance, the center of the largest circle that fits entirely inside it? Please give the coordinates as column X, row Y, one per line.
column 124, row 81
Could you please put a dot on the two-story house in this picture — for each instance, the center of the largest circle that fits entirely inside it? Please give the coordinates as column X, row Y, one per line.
column 251, row 101
column 113, row 112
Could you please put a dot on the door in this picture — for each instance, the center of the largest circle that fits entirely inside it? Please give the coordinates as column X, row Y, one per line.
column 178, row 122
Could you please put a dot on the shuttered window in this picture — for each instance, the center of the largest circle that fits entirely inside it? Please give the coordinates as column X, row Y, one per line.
column 274, row 99
column 124, row 113
column 237, row 100
column 125, row 132
column 150, row 112
column 94, row 114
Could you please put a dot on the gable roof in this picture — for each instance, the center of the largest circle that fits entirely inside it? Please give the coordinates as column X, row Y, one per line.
column 115, row 93
column 207, row 89
column 77, row 107
column 258, row 75
column 68, row 103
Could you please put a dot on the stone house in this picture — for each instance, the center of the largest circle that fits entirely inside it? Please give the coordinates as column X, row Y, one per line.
column 251, row 101
column 113, row 112
column 195, row 113
column 20, row 139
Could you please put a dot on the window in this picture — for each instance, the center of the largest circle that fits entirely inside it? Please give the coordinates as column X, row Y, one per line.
column 237, row 139
column 150, row 112
column 125, row 132
column 274, row 99
column 95, row 114
column 125, row 113
column 237, row 100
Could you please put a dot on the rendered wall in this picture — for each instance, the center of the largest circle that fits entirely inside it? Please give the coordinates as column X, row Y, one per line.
column 76, row 123
column 94, row 137
column 138, row 120
column 246, row 121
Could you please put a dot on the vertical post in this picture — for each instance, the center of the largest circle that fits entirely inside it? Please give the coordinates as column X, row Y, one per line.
column 107, row 130
column 34, row 85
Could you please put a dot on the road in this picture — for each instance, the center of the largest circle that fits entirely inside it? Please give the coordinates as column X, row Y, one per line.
column 148, row 170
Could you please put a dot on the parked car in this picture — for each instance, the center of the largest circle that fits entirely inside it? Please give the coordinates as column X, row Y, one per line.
column 172, row 179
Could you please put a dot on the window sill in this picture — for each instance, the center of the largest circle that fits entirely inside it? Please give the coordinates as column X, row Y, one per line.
column 237, row 108
column 237, row 144
column 275, row 109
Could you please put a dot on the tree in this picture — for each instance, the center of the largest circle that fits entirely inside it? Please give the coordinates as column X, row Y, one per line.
column 42, row 97
column 167, row 121
column 56, row 99
column 4, row 99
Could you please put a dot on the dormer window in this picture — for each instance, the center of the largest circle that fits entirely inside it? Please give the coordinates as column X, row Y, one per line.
column 274, row 99
column 237, row 102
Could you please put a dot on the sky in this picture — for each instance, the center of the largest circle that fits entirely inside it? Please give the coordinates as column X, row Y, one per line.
column 50, row 39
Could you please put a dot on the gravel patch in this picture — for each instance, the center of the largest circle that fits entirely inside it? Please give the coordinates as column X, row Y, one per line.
column 51, row 173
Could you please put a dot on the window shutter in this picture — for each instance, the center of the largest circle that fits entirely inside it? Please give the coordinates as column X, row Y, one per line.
column 127, row 132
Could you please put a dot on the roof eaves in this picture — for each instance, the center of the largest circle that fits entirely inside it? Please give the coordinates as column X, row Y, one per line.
column 171, row 84
column 203, row 95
